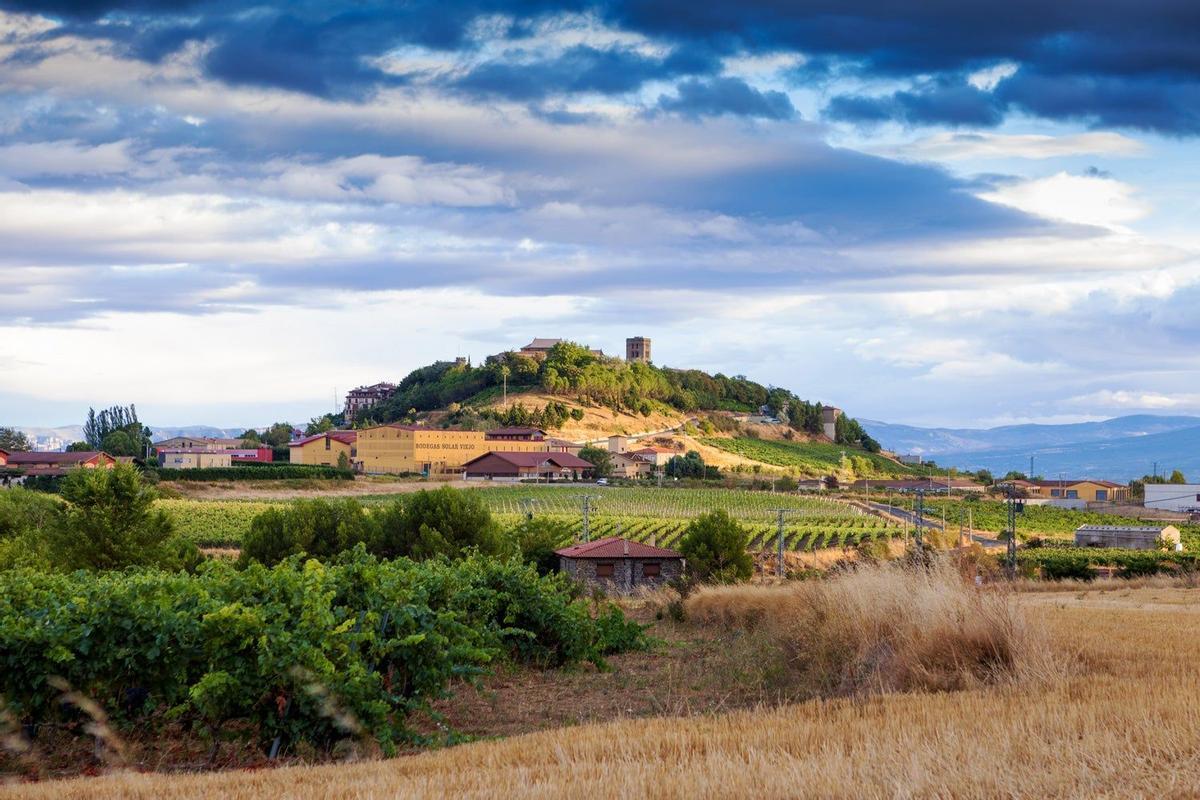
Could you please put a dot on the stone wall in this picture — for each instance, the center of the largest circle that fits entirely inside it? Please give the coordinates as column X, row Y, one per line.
column 628, row 573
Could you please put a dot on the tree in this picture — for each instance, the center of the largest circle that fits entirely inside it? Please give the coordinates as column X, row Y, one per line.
column 110, row 522
column 599, row 458
column 1177, row 477
column 716, row 549
column 343, row 460
column 14, row 441
column 100, row 426
column 317, row 527
column 985, row 477
column 120, row 443
column 690, row 465
column 279, row 434
column 319, row 425
column 441, row 522
column 537, row 538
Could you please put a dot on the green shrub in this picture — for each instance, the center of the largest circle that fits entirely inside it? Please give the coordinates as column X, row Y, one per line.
column 273, row 649
column 716, row 549
column 442, row 522
column 253, row 471
column 319, row 528
column 536, row 539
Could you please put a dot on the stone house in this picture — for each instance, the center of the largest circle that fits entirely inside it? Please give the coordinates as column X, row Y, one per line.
column 619, row 565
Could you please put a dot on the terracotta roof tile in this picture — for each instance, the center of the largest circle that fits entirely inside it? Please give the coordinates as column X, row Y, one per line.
column 616, row 547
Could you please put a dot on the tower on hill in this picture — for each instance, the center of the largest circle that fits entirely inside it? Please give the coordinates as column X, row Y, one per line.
column 637, row 348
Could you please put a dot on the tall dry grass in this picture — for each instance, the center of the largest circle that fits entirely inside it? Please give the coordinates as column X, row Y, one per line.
column 885, row 628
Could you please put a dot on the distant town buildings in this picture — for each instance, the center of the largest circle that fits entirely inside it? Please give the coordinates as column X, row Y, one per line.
column 364, row 397
column 193, row 458
column 539, row 348
column 637, row 348
column 55, row 464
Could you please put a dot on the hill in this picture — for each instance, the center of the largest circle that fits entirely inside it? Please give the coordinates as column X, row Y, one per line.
column 574, row 379
column 1122, row 448
column 938, row 441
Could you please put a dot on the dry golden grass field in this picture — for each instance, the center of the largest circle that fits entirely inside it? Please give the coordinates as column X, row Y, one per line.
column 1098, row 699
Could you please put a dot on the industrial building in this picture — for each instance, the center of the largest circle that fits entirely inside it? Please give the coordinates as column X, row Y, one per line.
column 399, row 448
column 193, row 458
column 324, row 449
column 1183, row 498
column 1132, row 537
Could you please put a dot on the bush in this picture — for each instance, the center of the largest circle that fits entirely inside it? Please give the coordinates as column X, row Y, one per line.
column 716, row 549
column 317, row 527
column 252, row 471
column 275, row 649
column 442, row 522
column 536, row 539
column 109, row 522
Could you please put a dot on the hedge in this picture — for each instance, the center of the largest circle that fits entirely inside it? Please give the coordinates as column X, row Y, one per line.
column 264, row 473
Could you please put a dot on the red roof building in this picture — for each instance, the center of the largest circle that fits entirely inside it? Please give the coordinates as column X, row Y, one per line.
column 59, row 463
column 620, row 565
column 499, row 465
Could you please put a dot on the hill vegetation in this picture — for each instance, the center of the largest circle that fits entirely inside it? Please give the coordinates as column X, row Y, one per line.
column 572, row 372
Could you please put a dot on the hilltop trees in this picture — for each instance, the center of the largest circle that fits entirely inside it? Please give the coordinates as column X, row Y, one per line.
column 14, row 441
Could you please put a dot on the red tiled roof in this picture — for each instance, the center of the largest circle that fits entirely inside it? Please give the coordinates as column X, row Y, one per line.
column 616, row 547
column 654, row 450
column 536, row 459
column 1066, row 484
column 76, row 457
column 345, row 437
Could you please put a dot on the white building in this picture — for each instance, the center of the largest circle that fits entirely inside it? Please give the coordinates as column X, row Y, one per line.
column 1180, row 497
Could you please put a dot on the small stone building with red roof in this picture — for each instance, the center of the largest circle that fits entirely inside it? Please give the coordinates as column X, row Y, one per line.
column 619, row 565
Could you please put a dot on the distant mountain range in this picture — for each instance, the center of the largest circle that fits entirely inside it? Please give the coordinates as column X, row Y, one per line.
column 1118, row 449
column 74, row 433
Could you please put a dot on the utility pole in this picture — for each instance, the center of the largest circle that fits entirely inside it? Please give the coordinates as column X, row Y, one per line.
column 919, row 521
column 782, row 512
column 1012, row 532
column 587, row 511
column 1031, row 468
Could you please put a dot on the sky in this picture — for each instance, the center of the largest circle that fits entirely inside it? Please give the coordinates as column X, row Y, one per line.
column 232, row 213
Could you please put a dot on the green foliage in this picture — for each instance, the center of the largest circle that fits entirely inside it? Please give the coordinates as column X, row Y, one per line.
column 24, row 516
column 278, row 435
column 109, row 522
column 599, row 458
column 536, row 539
column 690, row 465
column 1060, row 562
column 116, row 431
column 442, row 522
column 811, row 458
column 317, row 528
column 274, row 650
column 254, row 471
column 319, row 425
column 14, row 441
column 716, row 549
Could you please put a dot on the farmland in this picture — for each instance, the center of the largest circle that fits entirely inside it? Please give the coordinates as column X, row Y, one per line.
column 641, row 514
column 813, row 459
column 1118, row 726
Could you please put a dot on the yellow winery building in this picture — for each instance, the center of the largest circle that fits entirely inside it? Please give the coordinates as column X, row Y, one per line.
column 410, row 448
column 323, row 448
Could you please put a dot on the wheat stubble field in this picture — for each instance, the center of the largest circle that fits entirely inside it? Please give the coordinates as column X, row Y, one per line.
column 1121, row 719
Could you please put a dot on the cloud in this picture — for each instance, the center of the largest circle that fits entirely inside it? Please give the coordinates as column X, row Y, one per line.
column 1125, row 400
column 951, row 146
column 717, row 96
column 1086, row 199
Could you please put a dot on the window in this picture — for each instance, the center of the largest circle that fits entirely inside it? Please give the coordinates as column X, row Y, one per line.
column 651, row 570
column 327, row 447
column 1072, row 494
column 1056, row 492
column 604, row 570
column 1102, row 494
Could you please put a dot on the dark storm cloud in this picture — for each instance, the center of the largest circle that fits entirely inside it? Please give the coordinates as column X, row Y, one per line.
column 717, row 96
column 582, row 68
column 1123, row 64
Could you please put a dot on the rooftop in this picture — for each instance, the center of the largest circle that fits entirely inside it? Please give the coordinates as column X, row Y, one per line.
column 616, row 547
column 536, row 459
column 345, row 437
column 77, row 457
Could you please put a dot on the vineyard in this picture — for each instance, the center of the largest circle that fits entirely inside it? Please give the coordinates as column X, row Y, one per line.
column 992, row 515
column 640, row 514
column 812, row 458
